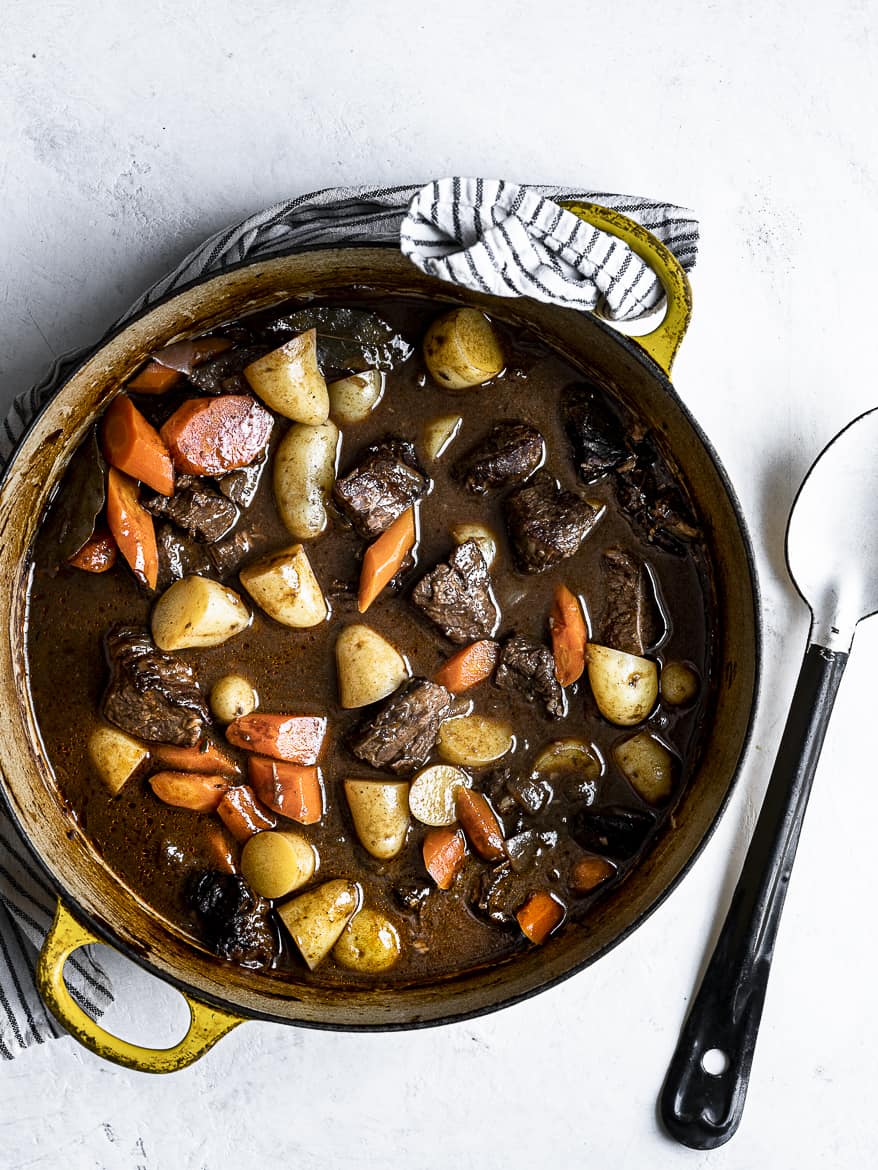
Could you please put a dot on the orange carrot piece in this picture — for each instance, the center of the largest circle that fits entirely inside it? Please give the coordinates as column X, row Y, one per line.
column 219, row 849
column 209, row 436
column 384, row 556
column 133, row 445
column 444, row 850
column 298, row 739
column 205, row 758
column 539, row 916
column 132, row 527
column 480, row 825
column 189, row 790
column 243, row 813
column 471, row 665
column 289, row 789
column 569, row 636
column 154, row 378
column 98, row 554
column 589, row 872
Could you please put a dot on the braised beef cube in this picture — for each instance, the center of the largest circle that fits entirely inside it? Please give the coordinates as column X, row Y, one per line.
column 457, row 595
column 386, row 480
column 545, row 524
column 510, row 794
column 532, row 795
column 411, row 896
column 211, row 378
column 614, row 831
column 653, row 503
column 530, row 850
column 228, row 555
column 632, row 620
column 201, row 511
column 241, row 485
column 595, row 433
column 508, row 454
column 529, row 668
column 498, row 893
column 402, row 734
column 152, row 695
column 234, row 919
column 178, row 555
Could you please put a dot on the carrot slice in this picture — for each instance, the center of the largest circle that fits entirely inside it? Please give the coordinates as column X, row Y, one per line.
column 569, row 636
column 189, row 790
column 539, row 916
column 290, row 789
column 480, row 825
column 297, row 739
column 589, row 872
column 219, row 849
column 444, row 850
column 154, row 378
column 384, row 556
column 133, row 445
column 98, row 554
column 206, row 759
column 471, row 665
column 209, row 436
column 243, row 814
column 132, row 527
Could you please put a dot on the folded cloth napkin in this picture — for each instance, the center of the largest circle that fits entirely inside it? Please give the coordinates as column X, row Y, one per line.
column 487, row 235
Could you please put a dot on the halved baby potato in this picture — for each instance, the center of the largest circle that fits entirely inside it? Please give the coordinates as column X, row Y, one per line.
column 303, row 475
column 439, row 433
column 283, row 584
column 481, row 534
column 647, row 765
column 275, row 863
column 475, row 740
column 116, row 756
column 369, row 668
column 352, row 399
column 380, row 810
column 462, row 349
column 433, row 794
column 231, row 697
column 625, row 686
column 197, row 611
column 316, row 918
column 369, row 943
column 289, row 381
column 679, row 683
column 574, row 756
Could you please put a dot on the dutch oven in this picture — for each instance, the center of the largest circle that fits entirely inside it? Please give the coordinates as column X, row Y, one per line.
column 94, row 906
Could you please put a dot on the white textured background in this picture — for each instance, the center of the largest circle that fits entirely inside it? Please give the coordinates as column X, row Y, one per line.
column 127, row 132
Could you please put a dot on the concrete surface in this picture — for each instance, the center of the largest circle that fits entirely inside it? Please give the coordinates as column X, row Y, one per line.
column 129, row 131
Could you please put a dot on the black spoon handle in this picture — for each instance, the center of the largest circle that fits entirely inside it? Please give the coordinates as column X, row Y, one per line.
column 699, row 1108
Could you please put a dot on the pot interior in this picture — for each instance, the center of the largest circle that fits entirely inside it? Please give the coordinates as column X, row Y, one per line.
column 115, row 911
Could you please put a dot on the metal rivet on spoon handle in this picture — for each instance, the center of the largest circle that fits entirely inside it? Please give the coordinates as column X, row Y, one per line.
column 832, row 556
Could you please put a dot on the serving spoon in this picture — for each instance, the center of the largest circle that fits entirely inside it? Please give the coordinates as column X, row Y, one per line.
column 832, row 558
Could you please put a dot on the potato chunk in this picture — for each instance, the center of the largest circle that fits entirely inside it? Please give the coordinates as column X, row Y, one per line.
column 439, row 434
column 433, row 794
column 569, row 756
column 276, row 863
column 288, row 380
column 316, row 918
column 368, row 667
column 283, row 584
column 679, row 683
column 474, row 740
column 116, row 756
column 304, row 472
column 462, row 349
column 231, row 697
column 481, row 534
column 369, row 943
column 380, row 809
column 197, row 611
column 352, row 399
column 647, row 765
column 625, row 687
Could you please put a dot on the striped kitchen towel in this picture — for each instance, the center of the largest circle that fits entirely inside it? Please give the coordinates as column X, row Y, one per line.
column 488, row 235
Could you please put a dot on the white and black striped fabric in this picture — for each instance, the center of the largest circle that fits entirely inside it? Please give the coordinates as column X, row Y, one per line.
column 484, row 234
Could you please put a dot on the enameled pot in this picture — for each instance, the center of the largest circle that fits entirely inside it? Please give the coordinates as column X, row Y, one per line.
column 94, row 905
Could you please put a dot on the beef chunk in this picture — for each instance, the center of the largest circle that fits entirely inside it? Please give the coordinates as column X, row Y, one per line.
column 457, row 596
column 411, row 896
column 615, row 831
column 228, row 555
column 387, row 480
column 241, row 485
column 546, row 524
column 529, row 667
column 178, row 555
column 203, row 513
column 508, row 454
column 234, row 919
column 402, row 734
column 497, row 893
column 632, row 620
column 224, row 374
column 152, row 695
column 511, row 795
column 653, row 503
column 595, row 433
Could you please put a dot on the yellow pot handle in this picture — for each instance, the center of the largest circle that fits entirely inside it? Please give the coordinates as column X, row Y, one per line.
column 664, row 341
column 206, row 1026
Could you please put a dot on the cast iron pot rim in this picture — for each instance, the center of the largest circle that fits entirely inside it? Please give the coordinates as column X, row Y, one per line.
column 105, row 933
